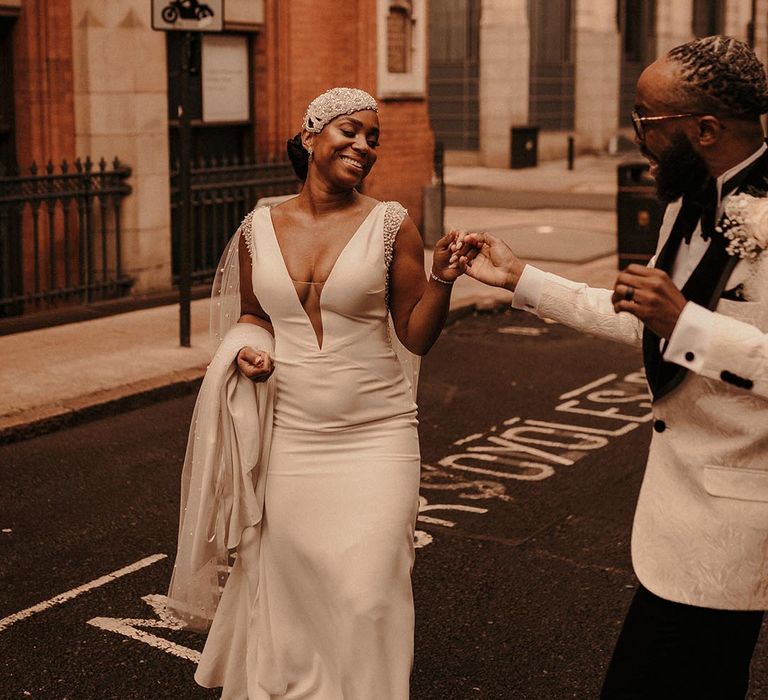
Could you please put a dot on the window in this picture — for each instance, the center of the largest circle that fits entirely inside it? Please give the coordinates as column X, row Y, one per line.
column 454, row 74
column 401, row 48
column 551, row 95
column 708, row 17
column 399, row 39
column 637, row 22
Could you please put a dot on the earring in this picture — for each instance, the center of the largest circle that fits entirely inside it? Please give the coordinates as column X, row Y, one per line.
column 309, row 150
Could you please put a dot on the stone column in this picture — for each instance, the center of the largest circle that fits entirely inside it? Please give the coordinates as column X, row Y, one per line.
column 761, row 30
column 121, row 109
column 504, row 76
column 737, row 16
column 674, row 24
column 598, row 44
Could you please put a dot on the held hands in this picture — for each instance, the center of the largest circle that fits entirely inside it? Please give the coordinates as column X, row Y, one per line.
column 489, row 259
column 650, row 295
column 450, row 262
column 256, row 365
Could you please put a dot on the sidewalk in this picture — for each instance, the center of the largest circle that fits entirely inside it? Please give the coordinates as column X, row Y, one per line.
column 592, row 184
column 57, row 376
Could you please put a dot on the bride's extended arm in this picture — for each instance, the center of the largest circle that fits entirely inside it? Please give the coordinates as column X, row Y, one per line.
column 419, row 306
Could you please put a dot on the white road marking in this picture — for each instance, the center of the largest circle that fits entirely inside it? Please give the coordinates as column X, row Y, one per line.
column 598, row 382
column 577, row 429
column 421, row 539
column 424, row 506
column 469, row 438
column 128, row 628
column 436, row 521
column 522, row 330
column 6, row 622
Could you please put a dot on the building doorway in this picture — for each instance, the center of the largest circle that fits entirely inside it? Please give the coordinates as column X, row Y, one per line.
column 7, row 130
column 226, row 181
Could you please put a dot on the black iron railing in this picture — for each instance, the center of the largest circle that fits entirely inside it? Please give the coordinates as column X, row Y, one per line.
column 60, row 236
column 223, row 192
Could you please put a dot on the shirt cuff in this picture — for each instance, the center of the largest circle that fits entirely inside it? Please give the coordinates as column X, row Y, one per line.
column 691, row 338
column 528, row 289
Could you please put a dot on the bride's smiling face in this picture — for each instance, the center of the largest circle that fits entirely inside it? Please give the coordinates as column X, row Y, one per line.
column 345, row 150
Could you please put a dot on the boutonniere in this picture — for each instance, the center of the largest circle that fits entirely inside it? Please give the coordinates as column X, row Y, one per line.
column 745, row 225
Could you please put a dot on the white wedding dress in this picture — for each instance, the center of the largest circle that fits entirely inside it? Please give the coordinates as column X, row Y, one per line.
column 319, row 604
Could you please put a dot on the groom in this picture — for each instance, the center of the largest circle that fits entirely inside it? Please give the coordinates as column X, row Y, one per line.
column 700, row 533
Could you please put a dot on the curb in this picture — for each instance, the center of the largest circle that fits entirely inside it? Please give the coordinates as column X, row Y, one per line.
column 47, row 419
column 34, row 422
column 485, row 197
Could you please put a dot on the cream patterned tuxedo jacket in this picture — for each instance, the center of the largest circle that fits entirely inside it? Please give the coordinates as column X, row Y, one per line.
column 700, row 533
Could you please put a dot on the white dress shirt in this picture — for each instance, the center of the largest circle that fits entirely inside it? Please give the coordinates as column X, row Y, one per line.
column 692, row 333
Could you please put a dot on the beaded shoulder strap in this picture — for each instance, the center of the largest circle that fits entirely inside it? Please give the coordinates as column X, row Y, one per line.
column 394, row 215
column 246, row 230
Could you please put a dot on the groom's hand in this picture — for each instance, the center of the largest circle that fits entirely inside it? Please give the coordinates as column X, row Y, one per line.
column 490, row 260
column 650, row 295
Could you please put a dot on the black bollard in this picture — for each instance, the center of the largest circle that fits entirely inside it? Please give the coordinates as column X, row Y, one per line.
column 571, row 152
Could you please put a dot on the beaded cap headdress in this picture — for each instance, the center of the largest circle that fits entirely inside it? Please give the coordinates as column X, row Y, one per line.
column 334, row 103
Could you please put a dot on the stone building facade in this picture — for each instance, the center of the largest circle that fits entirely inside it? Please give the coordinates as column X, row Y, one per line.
column 91, row 77
column 566, row 66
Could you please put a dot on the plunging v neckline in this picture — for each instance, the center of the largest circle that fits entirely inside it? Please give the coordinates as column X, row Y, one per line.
column 343, row 250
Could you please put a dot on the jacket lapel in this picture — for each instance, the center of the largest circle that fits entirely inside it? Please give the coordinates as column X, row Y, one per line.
column 704, row 286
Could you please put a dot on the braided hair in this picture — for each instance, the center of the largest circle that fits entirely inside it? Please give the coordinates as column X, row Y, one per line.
column 723, row 76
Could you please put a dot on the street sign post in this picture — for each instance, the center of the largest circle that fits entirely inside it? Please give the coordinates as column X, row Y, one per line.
column 186, row 16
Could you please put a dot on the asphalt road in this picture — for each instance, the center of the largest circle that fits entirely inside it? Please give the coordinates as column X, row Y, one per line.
column 533, row 442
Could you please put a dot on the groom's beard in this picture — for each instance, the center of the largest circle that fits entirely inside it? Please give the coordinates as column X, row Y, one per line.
column 681, row 169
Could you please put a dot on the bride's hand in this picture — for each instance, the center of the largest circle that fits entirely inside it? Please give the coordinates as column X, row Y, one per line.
column 449, row 262
column 257, row 365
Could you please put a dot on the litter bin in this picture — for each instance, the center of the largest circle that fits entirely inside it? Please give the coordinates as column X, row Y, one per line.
column 639, row 214
column 524, row 147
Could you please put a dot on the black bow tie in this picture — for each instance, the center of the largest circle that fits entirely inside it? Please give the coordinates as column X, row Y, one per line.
column 702, row 207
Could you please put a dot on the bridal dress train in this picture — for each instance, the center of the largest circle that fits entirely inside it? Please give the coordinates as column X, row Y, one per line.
column 318, row 604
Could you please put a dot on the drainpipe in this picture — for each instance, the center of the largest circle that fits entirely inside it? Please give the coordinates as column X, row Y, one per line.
column 751, row 25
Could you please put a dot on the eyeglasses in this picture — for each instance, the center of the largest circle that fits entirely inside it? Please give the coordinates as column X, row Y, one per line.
column 638, row 121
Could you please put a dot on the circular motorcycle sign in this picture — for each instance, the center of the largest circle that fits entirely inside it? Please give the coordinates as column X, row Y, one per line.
column 188, row 15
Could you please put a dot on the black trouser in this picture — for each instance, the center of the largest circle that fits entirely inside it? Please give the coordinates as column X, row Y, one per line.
column 671, row 650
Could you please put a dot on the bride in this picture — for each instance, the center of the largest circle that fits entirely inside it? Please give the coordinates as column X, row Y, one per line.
column 303, row 456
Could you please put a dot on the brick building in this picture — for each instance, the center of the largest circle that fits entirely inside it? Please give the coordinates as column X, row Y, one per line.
column 92, row 78
column 564, row 66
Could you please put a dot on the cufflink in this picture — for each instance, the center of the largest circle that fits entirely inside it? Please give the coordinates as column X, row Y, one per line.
column 736, row 380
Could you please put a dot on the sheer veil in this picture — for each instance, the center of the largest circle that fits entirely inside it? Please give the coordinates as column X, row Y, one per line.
column 225, row 293
column 222, row 482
